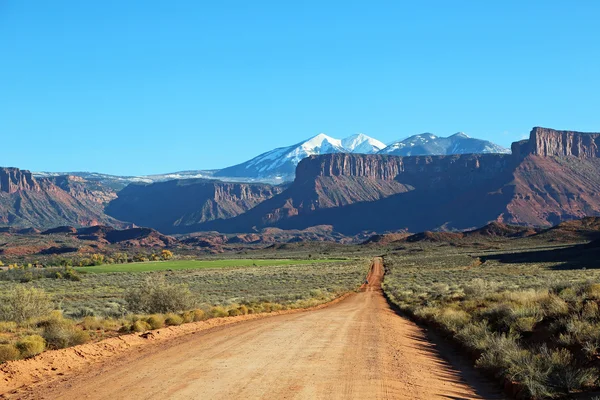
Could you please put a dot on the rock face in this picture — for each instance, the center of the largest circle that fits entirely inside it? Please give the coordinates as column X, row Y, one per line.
column 174, row 205
column 14, row 179
column 549, row 142
column 436, row 170
column 26, row 201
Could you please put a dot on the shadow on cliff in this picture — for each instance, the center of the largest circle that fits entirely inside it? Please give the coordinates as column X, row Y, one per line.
column 573, row 257
column 456, row 201
column 418, row 210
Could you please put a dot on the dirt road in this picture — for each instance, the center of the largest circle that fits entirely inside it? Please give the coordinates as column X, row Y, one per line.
column 358, row 348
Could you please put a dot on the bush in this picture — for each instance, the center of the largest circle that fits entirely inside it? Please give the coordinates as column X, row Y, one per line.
column 218, row 312
column 173, row 319
column 8, row 352
column 22, row 304
column 155, row 295
column 140, row 326
column 188, row 317
column 8, row 326
column 592, row 291
column 452, row 319
column 155, row 321
column 30, row 346
column 199, row 315
column 234, row 312
column 60, row 332
column 555, row 306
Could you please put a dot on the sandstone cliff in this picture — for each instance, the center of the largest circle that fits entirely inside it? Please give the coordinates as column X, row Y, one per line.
column 14, row 179
column 40, row 203
column 549, row 142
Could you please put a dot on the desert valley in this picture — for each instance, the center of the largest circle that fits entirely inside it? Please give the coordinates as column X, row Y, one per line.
column 308, row 200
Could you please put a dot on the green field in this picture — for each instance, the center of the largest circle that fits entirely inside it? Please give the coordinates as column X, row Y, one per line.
column 194, row 264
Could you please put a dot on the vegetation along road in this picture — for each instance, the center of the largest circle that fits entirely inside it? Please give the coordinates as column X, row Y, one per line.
column 357, row 348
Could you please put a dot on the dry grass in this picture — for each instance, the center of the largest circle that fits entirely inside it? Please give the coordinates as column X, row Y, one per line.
column 526, row 322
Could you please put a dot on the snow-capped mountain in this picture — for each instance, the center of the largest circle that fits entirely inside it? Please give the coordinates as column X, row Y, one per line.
column 363, row 144
column 430, row 144
column 280, row 164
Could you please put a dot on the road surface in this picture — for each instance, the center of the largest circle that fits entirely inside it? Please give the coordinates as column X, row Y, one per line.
column 356, row 349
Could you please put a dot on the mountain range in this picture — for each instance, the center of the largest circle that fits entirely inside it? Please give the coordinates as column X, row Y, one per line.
column 553, row 176
column 279, row 165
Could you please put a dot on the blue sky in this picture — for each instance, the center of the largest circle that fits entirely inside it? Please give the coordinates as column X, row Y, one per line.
column 149, row 87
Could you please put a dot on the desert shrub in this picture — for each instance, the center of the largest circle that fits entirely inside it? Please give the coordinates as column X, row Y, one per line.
column 452, row 319
column 243, row 309
column 173, row 320
column 199, row 315
column 554, row 306
column 8, row 326
column 60, row 332
column 217, row 312
column 234, row 312
column 475, row 335
column 479, row 288
column 524, row 324
column 590, row 310
column 439, row 289
column 530, row 370
column 91, row 323
column 563, row 373
column 156, row 321
column 568, row 294
column 500, row 348
column 592, row 291
column 9, row 352
column 140, row 326
column 22, row 303
column 30, row 346
column 188, row 317
column 156, row 295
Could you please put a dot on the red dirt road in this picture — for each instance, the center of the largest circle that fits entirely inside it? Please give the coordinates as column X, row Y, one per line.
column 356, row 349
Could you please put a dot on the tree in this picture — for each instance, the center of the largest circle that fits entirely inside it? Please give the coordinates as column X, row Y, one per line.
column 166, row 255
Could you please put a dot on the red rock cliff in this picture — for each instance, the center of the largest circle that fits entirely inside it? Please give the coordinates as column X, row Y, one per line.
column 417, row 169
column 549, row 142
column 14, row 179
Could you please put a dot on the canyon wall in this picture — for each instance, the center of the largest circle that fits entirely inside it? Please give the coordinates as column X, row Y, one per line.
column 462, row 169
column 14, row 179
column 549, row 142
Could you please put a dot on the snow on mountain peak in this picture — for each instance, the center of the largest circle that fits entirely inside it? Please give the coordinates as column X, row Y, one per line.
column 430, row 144
column 361, row 143
column 461, row 134
column 320, row 140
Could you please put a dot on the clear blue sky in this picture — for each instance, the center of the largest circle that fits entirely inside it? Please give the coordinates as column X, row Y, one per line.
column 140, row 87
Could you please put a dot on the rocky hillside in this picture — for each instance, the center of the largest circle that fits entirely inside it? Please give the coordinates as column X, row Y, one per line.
column 550, row 178
column 172, row 206
column 26, row 201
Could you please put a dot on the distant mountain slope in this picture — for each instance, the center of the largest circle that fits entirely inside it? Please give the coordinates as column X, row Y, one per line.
column 281, row 163
column 26, row 201
column 430, row 144
column 173, row 205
